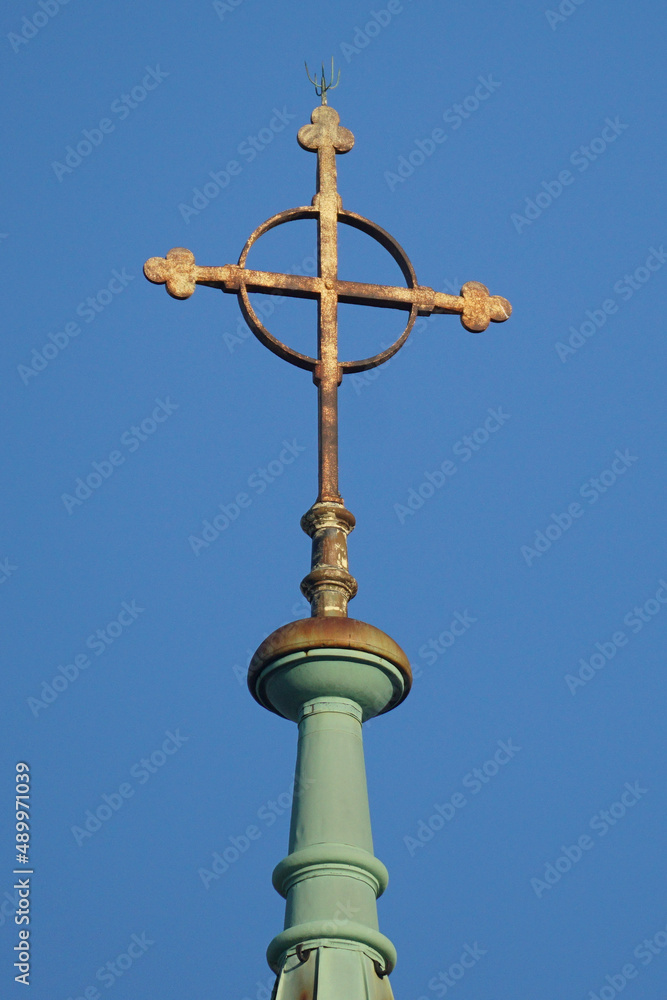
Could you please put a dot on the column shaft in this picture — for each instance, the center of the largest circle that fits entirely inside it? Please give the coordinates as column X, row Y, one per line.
column 331, row 879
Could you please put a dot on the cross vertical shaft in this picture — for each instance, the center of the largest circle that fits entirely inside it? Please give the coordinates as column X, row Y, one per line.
column 326, row 137
column 327, row 374
column 329, row 585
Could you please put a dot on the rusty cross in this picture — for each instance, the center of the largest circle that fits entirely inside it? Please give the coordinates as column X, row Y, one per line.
column 326, row 137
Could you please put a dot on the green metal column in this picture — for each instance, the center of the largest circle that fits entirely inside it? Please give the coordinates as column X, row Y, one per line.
column 330, row 878
column 329, row 675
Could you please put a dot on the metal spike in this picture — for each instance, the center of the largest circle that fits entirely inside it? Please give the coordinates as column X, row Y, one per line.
column 321, row 86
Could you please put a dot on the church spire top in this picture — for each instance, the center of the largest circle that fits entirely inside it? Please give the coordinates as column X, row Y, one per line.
column 329, row 673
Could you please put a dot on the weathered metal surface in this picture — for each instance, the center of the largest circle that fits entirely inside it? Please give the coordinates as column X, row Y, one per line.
column 328, row 633
column 477, row 307
column 331, row 973
column 328, row 586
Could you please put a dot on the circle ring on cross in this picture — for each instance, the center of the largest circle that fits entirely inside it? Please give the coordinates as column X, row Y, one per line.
column 348, row 219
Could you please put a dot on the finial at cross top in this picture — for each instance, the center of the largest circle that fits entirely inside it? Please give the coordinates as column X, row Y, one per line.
column 329, row 585
column 321, row 86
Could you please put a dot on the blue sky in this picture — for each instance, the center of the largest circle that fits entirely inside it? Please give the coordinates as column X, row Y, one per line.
column 508, row 483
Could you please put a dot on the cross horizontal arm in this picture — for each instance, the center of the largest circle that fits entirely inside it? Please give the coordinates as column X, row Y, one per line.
column 180, row 274
column 476, row 307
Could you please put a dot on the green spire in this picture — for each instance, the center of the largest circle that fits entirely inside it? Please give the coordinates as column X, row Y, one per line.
column 329, row 675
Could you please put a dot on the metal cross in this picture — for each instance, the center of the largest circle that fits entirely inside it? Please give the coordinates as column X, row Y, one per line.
column 477, row 308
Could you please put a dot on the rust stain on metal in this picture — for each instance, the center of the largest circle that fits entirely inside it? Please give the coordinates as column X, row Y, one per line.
column 329, row 586
column 328, row 633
